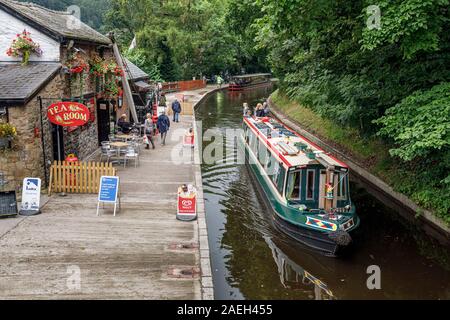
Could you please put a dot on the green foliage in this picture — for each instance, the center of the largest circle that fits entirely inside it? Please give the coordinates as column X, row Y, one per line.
column 420, row 124
column 139, row 58
column 185, row 39
column 415, row 25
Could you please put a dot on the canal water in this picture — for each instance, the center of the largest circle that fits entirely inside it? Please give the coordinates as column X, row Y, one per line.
column 251, row 259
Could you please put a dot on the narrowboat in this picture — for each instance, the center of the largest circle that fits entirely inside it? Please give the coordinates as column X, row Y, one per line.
column 307, row 188
column 242, row 82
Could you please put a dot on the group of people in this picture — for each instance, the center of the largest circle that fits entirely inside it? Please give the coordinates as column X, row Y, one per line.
column 261, row 110
column 162, row 124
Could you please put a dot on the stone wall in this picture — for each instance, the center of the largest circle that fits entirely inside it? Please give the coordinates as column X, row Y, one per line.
column 25, row 158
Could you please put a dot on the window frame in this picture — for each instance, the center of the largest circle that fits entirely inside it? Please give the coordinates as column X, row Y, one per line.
column 313, row 191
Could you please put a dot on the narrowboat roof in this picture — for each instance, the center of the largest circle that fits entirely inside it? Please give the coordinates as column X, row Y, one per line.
column 276, row 135
column 243, row 76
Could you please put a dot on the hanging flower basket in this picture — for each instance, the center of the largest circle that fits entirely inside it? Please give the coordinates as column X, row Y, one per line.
column 77, row 64
column 23, row 46
column 108, row 74
column 7, row 134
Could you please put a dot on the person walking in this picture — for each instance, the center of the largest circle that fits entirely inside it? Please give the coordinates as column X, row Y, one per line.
column 219, row 81
column 163, row 125
column 149, row 130
column 176, row 108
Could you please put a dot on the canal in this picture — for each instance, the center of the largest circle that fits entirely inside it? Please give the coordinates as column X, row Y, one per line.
column 251, row 259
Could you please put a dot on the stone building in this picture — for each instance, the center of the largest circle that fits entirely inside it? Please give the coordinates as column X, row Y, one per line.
column 27, row 91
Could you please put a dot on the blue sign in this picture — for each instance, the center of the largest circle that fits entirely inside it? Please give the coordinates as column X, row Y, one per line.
column 109, row 189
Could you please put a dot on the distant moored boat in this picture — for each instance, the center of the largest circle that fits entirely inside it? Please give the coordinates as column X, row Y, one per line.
column 242, row 82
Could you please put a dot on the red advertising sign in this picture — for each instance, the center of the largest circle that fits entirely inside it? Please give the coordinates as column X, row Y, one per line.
column 68, row 114
column 187, row 206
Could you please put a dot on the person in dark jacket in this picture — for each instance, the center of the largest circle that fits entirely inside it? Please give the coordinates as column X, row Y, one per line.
column 163, row 125
column 259, row 112
column 123, row 125
column 176, row 108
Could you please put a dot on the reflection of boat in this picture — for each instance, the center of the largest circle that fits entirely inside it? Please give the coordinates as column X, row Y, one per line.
column 293, row 276
column 307, row 189
column 239, row 83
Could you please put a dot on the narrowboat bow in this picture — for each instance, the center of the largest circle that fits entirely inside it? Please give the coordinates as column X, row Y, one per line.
column 307, row 189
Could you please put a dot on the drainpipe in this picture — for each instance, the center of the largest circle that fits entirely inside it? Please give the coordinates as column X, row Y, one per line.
column 43, row 142
column 126, row 85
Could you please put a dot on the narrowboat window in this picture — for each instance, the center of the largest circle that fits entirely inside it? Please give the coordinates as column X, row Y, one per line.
column 253, row 142
column 293, row 187
column 342, row 190
column 270, row 166
column 310, row 181
column 274, row 168
column 281, row 176
column 262, row 154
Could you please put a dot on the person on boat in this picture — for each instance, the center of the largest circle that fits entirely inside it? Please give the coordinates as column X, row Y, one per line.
column 266, row 108
column 176, row 108
column 246, row 108
column 163, row 125
column 149, row 131
column 259, row 112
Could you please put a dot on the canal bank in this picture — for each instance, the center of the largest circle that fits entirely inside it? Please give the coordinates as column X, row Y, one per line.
column 68, row 252
column 251, row 259
column 422, row 218
column 190, row 100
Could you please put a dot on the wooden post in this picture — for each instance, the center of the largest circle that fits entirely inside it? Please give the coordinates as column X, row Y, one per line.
column 126, row 85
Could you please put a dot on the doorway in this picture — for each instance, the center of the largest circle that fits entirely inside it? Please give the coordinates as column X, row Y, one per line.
column 103, row 120
column 58, row 142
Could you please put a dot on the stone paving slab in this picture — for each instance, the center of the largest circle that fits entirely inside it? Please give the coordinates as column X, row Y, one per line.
column 70, row 253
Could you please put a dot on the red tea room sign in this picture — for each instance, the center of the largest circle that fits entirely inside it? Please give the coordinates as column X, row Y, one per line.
column 68, row 114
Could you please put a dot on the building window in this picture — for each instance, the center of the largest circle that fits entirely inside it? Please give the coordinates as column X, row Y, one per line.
column 310, row 183
column 3, row 114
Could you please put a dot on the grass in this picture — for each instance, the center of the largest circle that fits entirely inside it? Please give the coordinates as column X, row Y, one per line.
column 347, row 138
column 373, row 154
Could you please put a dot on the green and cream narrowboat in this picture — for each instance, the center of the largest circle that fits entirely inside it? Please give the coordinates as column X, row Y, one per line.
column 307, row 188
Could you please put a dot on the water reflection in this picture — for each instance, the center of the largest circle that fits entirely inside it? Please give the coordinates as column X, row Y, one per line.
column 251, row 259
column 293, row 276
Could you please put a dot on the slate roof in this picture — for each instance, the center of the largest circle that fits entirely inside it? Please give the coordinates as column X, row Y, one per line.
column 136, row 72
column 19, row 84
column 55, row 24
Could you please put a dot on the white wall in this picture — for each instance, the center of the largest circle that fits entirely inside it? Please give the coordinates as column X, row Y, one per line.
column 9, row 28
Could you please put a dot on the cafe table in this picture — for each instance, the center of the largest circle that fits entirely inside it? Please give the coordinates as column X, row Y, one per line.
column 119, row 146
column 124, row 137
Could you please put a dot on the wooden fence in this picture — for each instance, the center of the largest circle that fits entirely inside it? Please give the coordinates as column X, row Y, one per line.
column 78, row 177
column 183, row 85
